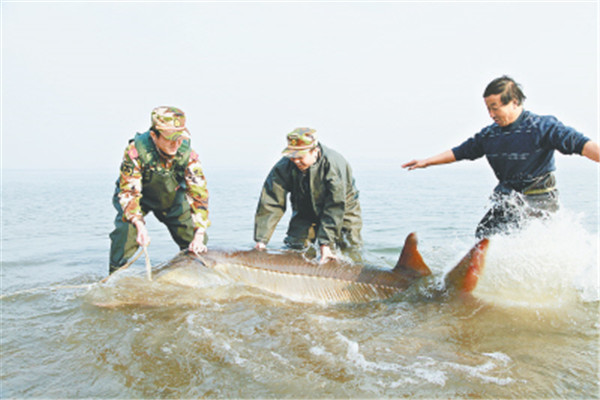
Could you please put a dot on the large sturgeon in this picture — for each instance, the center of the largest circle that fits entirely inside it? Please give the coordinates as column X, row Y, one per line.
column 292, row 276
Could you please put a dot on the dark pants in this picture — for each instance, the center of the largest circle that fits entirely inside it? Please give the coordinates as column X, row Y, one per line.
column 511, row 211
column 123, row 246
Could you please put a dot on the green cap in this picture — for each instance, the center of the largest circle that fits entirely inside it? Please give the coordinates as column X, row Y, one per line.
column 170, row 122
column 300, row 141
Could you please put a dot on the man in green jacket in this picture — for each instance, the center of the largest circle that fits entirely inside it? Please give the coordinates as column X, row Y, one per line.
column 325, row 205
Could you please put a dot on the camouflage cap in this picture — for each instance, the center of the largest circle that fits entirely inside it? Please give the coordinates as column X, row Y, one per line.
column 300, row 141
column 170, row 122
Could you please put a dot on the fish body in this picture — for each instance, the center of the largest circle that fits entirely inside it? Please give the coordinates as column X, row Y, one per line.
column 290, row 275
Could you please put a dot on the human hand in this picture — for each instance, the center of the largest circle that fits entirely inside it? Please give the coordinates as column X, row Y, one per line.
column 414, row 164
column 326, row 254
column 143, row 238
column 197, row 245
column 260, row 246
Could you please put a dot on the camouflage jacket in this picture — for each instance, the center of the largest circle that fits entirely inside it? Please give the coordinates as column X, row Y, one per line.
column 326, row 195
column 135, row 168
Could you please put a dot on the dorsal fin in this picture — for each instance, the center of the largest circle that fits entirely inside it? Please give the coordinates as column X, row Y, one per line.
column 410, row 259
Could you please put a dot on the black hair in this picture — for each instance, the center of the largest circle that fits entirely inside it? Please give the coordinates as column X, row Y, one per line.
column 507, row 88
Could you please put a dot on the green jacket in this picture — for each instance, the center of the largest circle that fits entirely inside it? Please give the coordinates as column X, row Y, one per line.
column 328, row 197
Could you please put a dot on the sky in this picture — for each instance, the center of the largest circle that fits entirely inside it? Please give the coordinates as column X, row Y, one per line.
column 381, row 82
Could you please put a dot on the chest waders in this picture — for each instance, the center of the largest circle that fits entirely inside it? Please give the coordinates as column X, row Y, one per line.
column 303, row 223
column 163, row 193
column 307, row 197
column 161, row 187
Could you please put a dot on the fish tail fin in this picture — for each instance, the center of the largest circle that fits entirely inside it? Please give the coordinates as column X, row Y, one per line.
column 464, row 277
column 410, row 260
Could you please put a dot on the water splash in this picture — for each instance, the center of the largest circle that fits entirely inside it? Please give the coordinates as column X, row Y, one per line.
column 549, row 263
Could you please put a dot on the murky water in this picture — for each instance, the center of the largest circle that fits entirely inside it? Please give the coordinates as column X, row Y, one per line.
column 530, row 331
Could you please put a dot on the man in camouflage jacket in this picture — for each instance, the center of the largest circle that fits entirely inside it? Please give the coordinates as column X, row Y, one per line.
column 160, row 173
column 325, row 205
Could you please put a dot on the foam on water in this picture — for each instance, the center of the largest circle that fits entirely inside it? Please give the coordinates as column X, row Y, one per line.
column 490, row 368
column 550, row 263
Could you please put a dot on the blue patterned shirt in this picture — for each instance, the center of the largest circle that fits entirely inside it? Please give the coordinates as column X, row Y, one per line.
column 524, row 150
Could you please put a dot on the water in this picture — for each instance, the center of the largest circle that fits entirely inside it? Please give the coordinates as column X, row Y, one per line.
column 530, row 331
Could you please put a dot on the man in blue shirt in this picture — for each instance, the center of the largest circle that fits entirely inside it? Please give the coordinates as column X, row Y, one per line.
column 519, row 147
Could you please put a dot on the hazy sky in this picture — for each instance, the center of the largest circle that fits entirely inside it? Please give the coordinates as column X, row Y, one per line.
column 378, row 80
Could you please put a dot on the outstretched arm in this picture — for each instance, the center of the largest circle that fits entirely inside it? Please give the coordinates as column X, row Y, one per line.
column 442, row 158
column 591, row 150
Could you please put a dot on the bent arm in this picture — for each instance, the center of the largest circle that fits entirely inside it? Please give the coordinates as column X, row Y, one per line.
column 271, row 204
column 591, row 150
column 130, row 185
column 443, row 158
column 197, row 194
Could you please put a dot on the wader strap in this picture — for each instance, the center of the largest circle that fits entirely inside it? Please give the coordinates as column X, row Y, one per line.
column 538, row 191
column 543, row 184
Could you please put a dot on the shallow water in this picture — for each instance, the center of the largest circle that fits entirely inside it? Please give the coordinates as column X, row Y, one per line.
column 531, row 329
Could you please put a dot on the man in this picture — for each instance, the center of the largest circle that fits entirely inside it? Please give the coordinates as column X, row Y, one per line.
column 325, row 205
column 160, row 173
column 519, row 147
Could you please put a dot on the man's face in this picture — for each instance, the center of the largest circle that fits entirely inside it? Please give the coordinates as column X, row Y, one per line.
column 303, row 163
column 502, row 114
column 169, row 147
